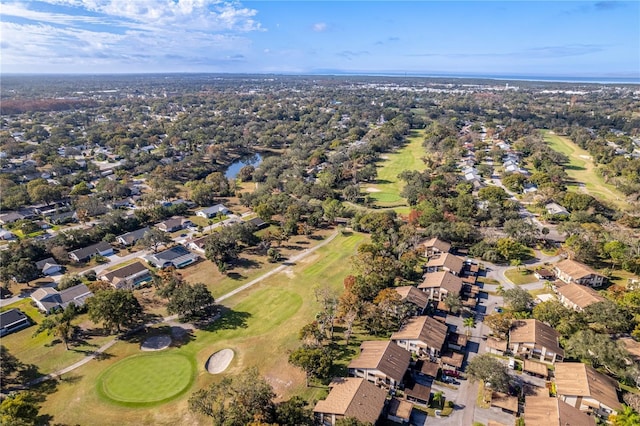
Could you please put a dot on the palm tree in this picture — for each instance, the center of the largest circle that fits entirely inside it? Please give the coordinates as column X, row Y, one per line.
column 469, row 323
column 438, row 397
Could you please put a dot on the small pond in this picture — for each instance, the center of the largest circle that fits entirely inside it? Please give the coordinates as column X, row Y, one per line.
column 250, row 160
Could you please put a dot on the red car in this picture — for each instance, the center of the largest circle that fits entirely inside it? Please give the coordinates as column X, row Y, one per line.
column 451, row 373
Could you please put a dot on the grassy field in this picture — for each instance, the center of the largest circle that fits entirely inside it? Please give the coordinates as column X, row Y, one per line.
column 518, row 278
column 386, row 192
column 582, row 171
column 261, row 327
column 43, row 350
column 249, row 267
column 147, row 380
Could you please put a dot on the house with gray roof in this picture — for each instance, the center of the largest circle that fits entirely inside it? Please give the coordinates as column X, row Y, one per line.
column 48, row 266
column 212, row 211
column 177, row 256
column 13, row 320
column 130, row 238
column 48, row 299
column 128, row 277
column 83, row 254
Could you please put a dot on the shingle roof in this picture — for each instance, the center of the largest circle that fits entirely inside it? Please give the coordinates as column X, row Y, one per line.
column 133, row 236
column 353, row 397
column 535, row 367
column 83, row 253
column 124, row 272
column 534, row 331
column 436, row 242
column 423, row 328
column 442, row 279
column 447, row 260
column 42, row 263
column 409, row 293
column 498, row 344
column 400, row 408
column 543, row 410
column 574, row 269
column 580, row 295
column 384, row 356
column 575, row 378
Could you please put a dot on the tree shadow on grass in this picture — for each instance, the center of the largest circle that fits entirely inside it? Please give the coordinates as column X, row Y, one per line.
column 181, row 336
column 228, row 319
column 246, row 263
column 235, row 276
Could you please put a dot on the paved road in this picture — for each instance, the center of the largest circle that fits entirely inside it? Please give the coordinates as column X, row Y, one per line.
column 290, row 263
column 114, row 260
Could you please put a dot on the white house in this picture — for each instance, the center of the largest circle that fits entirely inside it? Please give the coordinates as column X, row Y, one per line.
column 48, row 266
column 212, row 211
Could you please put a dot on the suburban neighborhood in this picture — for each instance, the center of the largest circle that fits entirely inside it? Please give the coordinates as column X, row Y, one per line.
column 348, row 251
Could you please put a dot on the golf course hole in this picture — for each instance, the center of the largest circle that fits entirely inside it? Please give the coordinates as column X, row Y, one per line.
column 145, row 380
column 219, row 361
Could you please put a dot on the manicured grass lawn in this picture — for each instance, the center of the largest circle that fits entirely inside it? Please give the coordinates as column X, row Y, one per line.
column 44, row 350
column 581, row 169
column 621, row 277
column 518, row 277
column 261, row 328
column 147, row 380
column 536, row 293
column 250, row 266
column 386, row 192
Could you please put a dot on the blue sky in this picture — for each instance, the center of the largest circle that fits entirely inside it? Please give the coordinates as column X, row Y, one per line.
column 561, row 38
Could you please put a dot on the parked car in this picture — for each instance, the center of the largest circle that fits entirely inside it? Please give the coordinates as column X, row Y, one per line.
column 452, row 373
column 498, row 309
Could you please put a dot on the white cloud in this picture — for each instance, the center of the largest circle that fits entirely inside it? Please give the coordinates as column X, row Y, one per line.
column 132, row 34
column 319, row 27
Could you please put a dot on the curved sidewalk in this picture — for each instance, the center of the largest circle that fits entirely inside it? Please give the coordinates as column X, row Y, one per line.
column 112, row 342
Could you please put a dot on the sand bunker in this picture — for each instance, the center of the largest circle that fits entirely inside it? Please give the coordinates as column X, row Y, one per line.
column 156, row 343
column 372, row 189
column 219, row 361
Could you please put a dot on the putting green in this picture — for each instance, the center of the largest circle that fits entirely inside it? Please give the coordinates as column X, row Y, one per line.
column 145, row 380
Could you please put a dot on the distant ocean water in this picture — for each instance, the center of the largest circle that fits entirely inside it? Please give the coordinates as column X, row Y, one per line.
column 507, row 77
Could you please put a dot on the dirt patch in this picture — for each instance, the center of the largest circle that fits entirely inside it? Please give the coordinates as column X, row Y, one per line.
column 156, row 343
column 219, row 361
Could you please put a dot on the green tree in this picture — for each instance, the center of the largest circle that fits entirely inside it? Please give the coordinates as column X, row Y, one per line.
column 608, row 317
column 190, row 300
column 453, row 302
column 69, row 280
column 294, row 412
column 490, row 370
column 81, row 188
column 551, row 312
column 493, row 193
column 510, row 249
column 500, row 323
column 315, row 361
column 469, row 323
column 438, row 397
column 114, row 308
column 19, row 409
column 626, row 417
column 236, row 401
column 351, row 421
column 59, row 326
column 518, row 299
column 154, row 238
